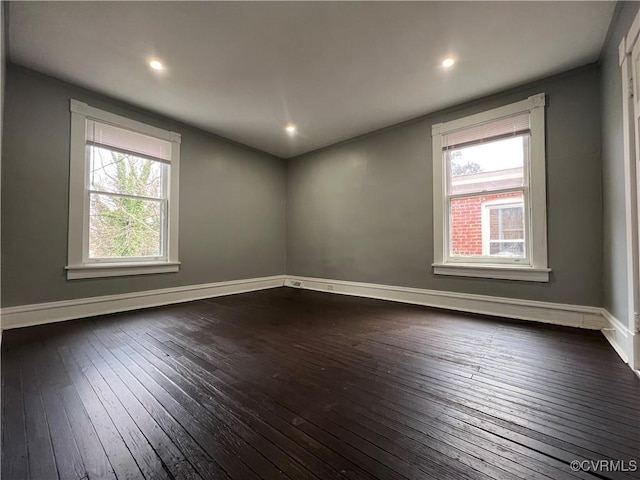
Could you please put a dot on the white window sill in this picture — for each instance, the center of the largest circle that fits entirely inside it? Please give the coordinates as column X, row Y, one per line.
column 99, row 270
column 503, row 272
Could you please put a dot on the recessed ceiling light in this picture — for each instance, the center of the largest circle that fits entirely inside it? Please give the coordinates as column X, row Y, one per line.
column 156, row 65
column 291, row 129
column 448, row 62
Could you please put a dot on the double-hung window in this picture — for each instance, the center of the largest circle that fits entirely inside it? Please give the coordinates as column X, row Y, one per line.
column 123, row 196
column 489, row 194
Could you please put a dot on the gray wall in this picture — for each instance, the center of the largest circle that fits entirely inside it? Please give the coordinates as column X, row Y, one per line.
column 614, row 248
column 3, row 47
column 232, row 200
column 362, row 210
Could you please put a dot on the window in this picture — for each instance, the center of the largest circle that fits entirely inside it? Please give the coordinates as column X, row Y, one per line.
column 123, row 196
column 503, row 228
column 489, row 194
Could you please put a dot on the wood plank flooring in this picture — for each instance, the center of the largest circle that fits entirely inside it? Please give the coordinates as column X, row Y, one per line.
column 291, row 384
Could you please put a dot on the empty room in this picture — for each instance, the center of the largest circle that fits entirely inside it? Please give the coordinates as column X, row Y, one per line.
column 320, row 240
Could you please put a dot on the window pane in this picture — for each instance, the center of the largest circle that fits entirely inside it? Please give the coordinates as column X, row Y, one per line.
column 488, row 225
column 466, row 226
column 506, row 226
column 124, row 227
column 126, row 174
column 507, row 223
column 489, row 166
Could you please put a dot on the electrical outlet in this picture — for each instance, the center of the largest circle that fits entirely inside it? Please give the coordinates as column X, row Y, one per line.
column 295, row 283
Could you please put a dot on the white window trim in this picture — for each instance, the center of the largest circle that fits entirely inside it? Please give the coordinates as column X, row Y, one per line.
column 486, row 207
column 537, row 269
column 78, row 200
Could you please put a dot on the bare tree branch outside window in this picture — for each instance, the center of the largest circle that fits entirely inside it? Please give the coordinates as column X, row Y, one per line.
column 126, row 205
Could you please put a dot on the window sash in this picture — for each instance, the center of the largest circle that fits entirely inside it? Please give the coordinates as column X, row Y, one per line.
column 450, row 257
column 164, row 208
column 165, row 166
column 163, row 200
column 126, row 195
column 484, row 193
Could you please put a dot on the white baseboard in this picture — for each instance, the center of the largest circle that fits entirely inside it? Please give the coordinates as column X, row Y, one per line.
column 40, row 313
column 595, row 318
column 554, row 313
column 618, row 335
column 623, row 340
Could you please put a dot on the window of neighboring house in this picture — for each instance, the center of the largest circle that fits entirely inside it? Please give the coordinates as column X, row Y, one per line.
column 489, row 194
column 123, row 196
column 503, row 228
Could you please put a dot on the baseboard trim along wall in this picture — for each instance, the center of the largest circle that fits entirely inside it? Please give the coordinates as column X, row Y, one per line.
column 40, row 313
column 555, row 313
column 594, row 318
column 618, row 335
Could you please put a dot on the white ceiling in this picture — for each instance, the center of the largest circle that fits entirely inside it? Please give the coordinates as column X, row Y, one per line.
column 336, row 69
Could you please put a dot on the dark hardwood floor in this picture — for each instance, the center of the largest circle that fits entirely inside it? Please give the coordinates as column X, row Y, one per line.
column 295, row 384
